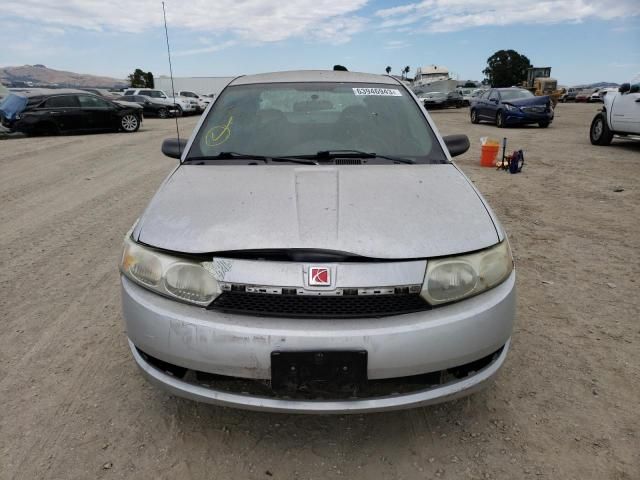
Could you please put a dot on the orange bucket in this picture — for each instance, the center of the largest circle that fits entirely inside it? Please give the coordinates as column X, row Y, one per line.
column 489, row 154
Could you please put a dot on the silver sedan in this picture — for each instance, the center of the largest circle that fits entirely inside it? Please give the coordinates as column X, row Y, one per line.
column 316, row 251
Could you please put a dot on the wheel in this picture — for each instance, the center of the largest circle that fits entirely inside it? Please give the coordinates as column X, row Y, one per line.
column 163, row 113
column 499, row 119
column 599, row 134
column 474, row 116
column 130, row 123
column 543, row 124
column 179, row 112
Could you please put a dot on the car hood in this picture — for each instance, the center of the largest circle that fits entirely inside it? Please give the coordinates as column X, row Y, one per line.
column 124, row 103
column 378, row 211
column 524, row 102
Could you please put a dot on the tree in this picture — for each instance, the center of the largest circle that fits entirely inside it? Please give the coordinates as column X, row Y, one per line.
column 388, row 70
column 469, row 85
column 141, row 79
column 340, row 68
column 506, row 68
column 149, row 81
column 405, row 70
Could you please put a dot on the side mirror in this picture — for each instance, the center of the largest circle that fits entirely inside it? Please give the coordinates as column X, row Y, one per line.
column 456, row 144
column 624, row 88
column 172, row 147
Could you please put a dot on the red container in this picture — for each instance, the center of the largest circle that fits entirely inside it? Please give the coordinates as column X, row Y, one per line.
column 488, row 155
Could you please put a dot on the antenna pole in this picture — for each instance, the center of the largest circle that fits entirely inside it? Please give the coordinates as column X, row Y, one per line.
column 173, row 90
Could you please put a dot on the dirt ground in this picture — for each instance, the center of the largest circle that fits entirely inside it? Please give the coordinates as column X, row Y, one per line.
column 565, row 405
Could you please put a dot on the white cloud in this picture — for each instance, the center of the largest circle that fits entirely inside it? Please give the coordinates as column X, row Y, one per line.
column 454, row 15
column 396, row 44
column 253, row 20
column 213, row 47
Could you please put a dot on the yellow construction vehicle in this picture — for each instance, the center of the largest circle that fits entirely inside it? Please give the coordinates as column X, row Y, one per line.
column 539, row 82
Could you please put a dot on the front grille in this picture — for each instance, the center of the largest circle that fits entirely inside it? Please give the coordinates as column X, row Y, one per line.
column 306, row 306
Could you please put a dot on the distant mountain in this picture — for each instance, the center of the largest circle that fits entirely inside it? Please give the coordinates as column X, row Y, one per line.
column 41, row 76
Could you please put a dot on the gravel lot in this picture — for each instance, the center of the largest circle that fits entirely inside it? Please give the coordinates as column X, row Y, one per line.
column 565, row 405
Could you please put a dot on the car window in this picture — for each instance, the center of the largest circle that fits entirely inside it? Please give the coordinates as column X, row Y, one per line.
column 88, row 101
column 494, row 95
column 516, row 94
column 303, row 118
column 188, row 94
column 129, row 92
column 63, row 101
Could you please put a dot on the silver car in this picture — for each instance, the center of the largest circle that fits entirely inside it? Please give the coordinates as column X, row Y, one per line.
column 316, row 251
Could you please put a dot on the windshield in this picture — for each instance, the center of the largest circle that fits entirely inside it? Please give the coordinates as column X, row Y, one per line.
column 292, row 119
column 12, row 105
column 515, row 94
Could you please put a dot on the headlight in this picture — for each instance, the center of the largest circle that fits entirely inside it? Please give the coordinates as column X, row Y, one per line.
column 174, row 277
column 455, row 278
column 510, row 108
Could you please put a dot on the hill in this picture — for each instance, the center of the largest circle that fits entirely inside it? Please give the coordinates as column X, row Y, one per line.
column 40, row 75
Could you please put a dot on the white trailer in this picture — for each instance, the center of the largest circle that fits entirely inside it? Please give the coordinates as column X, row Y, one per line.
column 210, row 86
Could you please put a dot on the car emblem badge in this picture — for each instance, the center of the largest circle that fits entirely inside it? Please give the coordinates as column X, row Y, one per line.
column 319, row 276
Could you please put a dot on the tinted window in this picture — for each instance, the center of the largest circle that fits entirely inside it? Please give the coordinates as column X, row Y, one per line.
column 304, row 118
column 189, row 94
column 65, row 101
column 516, row 94
column 87, row 101
column 152, row 93
column 129, row 92
column 494, row 95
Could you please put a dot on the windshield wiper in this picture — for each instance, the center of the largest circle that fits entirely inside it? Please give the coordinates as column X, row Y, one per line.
column 248, row 156
column 331, row 154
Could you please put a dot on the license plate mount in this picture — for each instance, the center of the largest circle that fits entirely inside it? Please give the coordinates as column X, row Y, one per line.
column 318, row 371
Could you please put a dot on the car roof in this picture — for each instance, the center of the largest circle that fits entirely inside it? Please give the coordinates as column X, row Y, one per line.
column 42, row 92
column 296, row 76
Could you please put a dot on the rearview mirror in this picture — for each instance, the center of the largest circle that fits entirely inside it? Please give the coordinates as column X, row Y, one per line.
column 172, row 147
column 456, row 144
column 624, row 88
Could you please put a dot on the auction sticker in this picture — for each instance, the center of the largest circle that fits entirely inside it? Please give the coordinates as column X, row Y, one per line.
column 378, row 92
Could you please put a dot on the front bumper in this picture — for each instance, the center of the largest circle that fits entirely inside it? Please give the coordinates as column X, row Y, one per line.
column 397, row 346
column 521, row 118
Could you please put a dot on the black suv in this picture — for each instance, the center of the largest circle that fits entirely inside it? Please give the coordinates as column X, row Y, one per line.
column 150, row 107
column 66, row 111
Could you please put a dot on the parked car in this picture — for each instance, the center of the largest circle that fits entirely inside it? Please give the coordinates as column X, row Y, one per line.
column 512, row 106
column 584, row 95
column 595, row 96
column 441, row 99
column 466, row 95
column 620, row 115
column 203, row 102
column 285, row 266
column 41, row 111
column 150, row 106
column 183, row 104
column 569, row 95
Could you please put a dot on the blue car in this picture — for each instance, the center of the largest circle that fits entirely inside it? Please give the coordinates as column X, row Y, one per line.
column 511, row 106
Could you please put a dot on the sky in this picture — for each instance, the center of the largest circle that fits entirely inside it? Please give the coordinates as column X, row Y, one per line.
column 584, row 41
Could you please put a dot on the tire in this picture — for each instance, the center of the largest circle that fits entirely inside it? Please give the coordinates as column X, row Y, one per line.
column 543, row 124
column 599, row 133
column 163, row 113
column 130, row 123
column 179, row 111
column 474, row 116
column 500, row 119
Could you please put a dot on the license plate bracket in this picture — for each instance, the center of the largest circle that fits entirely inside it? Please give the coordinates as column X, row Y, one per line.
column 318, row 371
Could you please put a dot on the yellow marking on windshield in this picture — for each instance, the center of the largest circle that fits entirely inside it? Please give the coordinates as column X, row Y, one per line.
column 219, row 134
